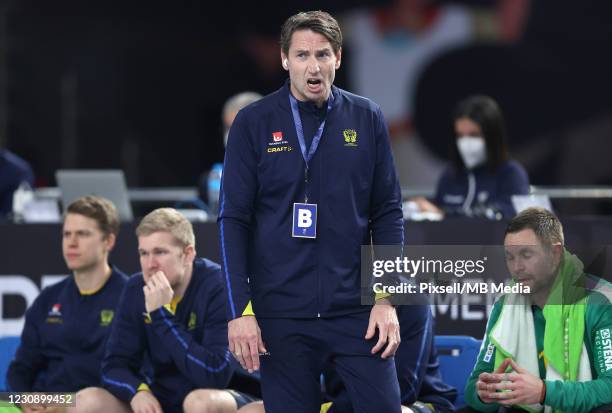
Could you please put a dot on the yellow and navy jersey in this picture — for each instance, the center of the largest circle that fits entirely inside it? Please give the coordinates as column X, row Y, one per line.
column 352, row 180
column 64, row 335
column 174, row 349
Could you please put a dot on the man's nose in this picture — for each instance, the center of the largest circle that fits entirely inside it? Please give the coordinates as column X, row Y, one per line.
column 150, row 263
column 72, row 240
column 519, row 266
column 313, row 66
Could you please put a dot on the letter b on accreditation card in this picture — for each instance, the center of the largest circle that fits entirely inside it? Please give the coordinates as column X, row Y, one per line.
column 304, row 220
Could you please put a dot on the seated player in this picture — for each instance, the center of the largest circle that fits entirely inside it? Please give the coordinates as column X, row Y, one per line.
column 168, row 349
column 67, row 326
column 550, row 349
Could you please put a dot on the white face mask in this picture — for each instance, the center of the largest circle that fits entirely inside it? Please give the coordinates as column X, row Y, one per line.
column 473, row 150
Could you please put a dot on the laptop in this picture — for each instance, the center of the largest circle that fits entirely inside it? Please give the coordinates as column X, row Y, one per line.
column 109, row 183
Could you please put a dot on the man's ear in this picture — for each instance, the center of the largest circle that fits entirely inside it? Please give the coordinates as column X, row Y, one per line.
column 190, row 253
column 557, row 253
column 110, row 242
column 284, row 61
column 338, row 58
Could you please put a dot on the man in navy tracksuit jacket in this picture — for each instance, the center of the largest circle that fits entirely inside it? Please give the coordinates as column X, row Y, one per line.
column 67, row 326
column 305, row 292
column 168, row 348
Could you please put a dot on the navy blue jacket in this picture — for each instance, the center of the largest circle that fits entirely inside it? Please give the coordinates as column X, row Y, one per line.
column 185, row 351
column 13, row 171
column 491, row 194
column 63, row 338
column 416, row 362
column 352, row 179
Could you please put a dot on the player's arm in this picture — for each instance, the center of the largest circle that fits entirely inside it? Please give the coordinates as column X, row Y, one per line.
column 387, row 223
column 205, row 363
column 29, row 359
column 237, row 199
column 485, row 363
column 573, row 396
column 122, row 363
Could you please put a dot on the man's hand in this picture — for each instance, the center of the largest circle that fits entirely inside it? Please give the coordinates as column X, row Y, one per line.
column 425, row 206
column 157, row 292
column 518, row 387
column 525, row 388
column 145, row 402
column 485, row 386
column 245, row 341
column 384, row 317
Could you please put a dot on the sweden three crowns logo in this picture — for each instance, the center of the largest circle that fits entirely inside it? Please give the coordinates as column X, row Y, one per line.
column 350, row 137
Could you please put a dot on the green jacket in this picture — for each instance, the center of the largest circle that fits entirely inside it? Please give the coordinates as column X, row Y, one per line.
column 571, row 397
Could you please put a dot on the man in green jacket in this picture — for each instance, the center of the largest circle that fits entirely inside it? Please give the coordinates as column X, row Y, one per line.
column 551, row 349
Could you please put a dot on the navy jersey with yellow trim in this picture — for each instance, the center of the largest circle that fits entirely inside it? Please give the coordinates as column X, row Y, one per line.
column 186, row 350
column 353, row 181
column 63, row 339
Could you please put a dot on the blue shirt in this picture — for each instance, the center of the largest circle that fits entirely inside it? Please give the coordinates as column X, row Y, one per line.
column 480, row 192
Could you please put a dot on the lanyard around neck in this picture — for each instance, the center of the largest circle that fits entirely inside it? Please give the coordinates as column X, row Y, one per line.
column 299, row 130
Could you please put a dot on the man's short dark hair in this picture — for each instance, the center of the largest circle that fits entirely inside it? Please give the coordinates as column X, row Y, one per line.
column 99, row 209
column 317, row 21
column 541, row 221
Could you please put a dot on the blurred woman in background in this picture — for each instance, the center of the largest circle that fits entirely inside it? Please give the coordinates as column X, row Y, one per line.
column 481, row 179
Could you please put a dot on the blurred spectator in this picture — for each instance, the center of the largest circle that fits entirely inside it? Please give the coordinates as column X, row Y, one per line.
column 13, row 172
column 481, row 179
column 553, row 79
column 231, row 107
column 390, row 46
